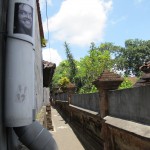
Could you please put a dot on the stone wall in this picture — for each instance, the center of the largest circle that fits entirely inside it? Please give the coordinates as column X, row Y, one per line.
column 123, row 122
column 62, row 96
column 131, row 104
column 120, row 134
column 85, row 123
column 86, row 101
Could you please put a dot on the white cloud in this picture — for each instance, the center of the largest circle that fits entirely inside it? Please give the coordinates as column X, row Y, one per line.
column 80, row 22
column 51, row 55
column 43, row 3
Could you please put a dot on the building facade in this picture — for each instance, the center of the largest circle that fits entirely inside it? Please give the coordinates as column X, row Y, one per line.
column 8, row 138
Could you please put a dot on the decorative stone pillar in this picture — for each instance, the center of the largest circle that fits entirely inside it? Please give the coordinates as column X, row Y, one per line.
column 107, row 81
column 70, row 90
column 145, row 78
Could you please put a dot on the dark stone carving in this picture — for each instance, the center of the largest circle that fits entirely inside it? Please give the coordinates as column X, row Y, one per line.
column 146, row 67
column 48, row 71
column 145, row 78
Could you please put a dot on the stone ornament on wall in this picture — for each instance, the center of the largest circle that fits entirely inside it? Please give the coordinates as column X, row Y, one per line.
column 145, row 78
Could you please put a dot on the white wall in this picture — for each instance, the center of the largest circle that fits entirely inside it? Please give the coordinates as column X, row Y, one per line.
column 46, row 96
column 38, row 68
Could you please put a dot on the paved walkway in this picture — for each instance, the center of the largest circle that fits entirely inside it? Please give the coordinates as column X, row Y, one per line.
column 63, row 134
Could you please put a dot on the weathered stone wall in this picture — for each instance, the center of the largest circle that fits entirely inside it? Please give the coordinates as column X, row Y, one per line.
column 86, row 101
column 120, row 134
column 62, row 96
column 48, row 118
column 124, row 127
column 85, row 123
column 131, row 104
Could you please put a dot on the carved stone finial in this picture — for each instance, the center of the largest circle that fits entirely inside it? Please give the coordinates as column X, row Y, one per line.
column 146, row 67
column 108, row 80
column 145, row 79
column 105, row 82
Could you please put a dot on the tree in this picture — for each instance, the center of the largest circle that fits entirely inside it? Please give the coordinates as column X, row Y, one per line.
column 87, row 69
column 91, row 66
column 60, row 72
column 107, row 56
column 71, row 62
column 132, row 56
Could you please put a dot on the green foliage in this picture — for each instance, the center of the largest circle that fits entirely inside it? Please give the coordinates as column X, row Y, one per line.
column 71, row 62
column 126, row 84
column 43, row 42
column 63, row 82
column 127, row 59
column 85, row 71
column 88, row 89
column 60, row 72
column 91, row 66
column 132, row 56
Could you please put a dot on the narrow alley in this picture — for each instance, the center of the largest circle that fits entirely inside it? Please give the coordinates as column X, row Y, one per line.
column 63, row 134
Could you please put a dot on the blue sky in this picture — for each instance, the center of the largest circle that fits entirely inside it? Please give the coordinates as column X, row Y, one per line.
column 80, row 22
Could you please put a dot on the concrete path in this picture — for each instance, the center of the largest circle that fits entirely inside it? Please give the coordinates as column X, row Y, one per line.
column 63, row 134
